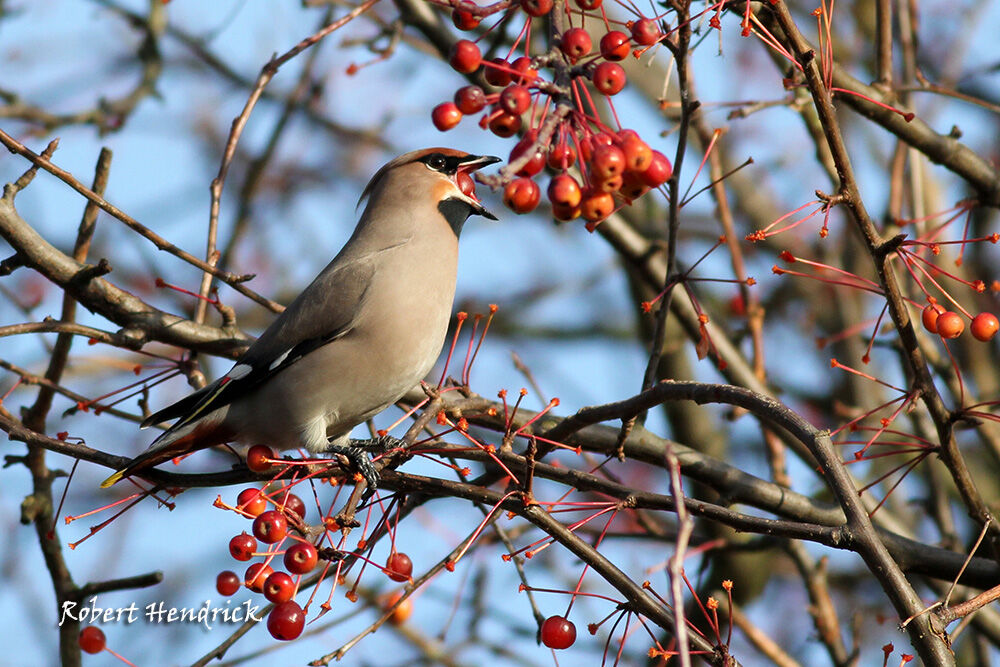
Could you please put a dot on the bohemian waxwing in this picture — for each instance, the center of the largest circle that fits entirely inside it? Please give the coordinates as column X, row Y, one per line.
column 365, row 331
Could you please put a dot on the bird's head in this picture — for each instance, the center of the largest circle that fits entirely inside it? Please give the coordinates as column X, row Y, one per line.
column 442, row 175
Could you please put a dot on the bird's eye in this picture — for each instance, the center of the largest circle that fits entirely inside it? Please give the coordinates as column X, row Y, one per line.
column 436, row 162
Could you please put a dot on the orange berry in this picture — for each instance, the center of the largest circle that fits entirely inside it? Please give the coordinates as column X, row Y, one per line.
column 597, row 206
column 564, row 191
column 522, row 195
column 984, row 326
column 950, row 324
column 929, row 316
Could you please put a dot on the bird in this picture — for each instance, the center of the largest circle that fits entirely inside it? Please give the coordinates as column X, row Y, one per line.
column 367, row 329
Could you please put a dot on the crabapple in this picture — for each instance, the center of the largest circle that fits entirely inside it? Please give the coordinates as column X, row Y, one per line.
column 564, row 191
column 446, row 116
column 929, row 316
column 278, row 587
column 522, row 195
column 950, row 324
column 658, row 172
column 645, row 32
column 597, row 205
column 470, row 99
column 536, row 8
column 465, row 56
column 615, row 45
column 91, row 639
column 270, row 527
column 399, row 567
column 251, row 501
column 608, row 78
column 575, row 43
column 301, row 558
column 515, row 99
column 227, row 582
column 242, row 546
column 558, row 632
column 256, row 575
column 505, row 125
column 984, row 326
column 499, row 74
column 259, row 458
column 286, row 620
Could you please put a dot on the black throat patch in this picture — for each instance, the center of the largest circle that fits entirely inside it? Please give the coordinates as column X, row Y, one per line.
column 456, row 212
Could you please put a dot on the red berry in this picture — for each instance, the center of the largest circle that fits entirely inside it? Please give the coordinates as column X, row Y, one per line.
column 615, row 46
column 597, row 205
column 950, row 324
column 498, row 75
column 929, row 316
column 645, row 32
column 465, row 56
column 505, row 124
column 242, row 546
column 259, row 458
column 466, row 184
column 402, row 612
column 285, row 622
column 515, row 99
column 399, row 567
column 558, row 632
column 561, row 156
column 301, row 558
column 611, row 184
column 625, row 135
column 638, row 155
column 522, row 195
column 587, row 5
column 984, row 326
column 526, row 144
column 608, row 78
column 227, row 582
column 470, row 99
column 608, row 162
column 270, row 527
column 575, row 44
column 658, row 172
column 464, row 20
column 536, row 8
column 564, row 191
column 251, row 501
column 565, row 213
column 633, row 186
column 446, row 116
column 256, row 575
column 279, row 587
column 525, row 72
column 294, row 505
column 91, row 639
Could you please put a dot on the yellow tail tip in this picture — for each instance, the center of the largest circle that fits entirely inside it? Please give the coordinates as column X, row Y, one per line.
column 114, row 479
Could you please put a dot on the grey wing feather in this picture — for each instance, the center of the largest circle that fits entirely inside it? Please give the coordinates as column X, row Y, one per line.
column 323, row 312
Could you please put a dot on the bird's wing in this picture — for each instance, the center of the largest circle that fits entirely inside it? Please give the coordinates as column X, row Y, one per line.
column 325, row 310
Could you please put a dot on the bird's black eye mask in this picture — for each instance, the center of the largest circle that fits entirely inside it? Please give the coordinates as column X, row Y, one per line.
column 446, row 164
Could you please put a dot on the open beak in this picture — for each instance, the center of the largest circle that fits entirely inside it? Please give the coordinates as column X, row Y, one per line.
column 467, row 185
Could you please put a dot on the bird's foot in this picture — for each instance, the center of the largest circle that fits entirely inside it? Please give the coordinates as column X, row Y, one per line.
column 356, row 452
column 379, row 445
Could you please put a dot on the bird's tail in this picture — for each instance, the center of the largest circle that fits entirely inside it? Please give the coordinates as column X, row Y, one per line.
column 171, row 444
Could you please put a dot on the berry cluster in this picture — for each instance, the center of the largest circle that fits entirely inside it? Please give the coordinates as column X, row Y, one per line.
column 949, row 324
column 278, row 518
column 558, row 120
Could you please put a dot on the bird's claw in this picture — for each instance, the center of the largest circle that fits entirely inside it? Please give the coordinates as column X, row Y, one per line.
column 361, row 463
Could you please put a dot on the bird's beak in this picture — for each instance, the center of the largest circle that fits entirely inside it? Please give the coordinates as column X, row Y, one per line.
column 469, row 165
